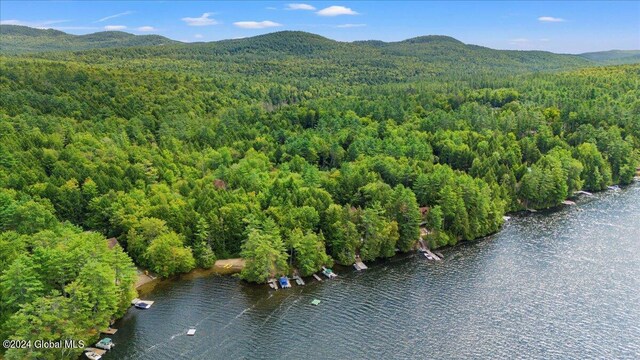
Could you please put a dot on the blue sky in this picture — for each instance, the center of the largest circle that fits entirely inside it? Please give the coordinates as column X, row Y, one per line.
column 567, row 27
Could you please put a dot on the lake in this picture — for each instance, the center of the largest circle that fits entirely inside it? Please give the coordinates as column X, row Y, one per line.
column 557, row 284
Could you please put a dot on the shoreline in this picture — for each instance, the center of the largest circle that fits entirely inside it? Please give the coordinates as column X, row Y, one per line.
column 224, row 267
column 147, row 281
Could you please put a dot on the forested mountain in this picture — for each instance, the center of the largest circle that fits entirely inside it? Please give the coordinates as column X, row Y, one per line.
column 290, row 150
column 16, row 39
column 614, row 57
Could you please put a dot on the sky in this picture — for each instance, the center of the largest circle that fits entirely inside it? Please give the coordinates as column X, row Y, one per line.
column 561, row 27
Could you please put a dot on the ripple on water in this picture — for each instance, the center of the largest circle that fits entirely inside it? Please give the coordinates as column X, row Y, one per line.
column 557, row 284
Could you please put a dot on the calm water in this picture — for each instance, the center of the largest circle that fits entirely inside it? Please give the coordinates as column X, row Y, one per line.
column 558, row 285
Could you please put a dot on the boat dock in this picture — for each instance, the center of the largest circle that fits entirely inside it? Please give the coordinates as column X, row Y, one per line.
column 582, row 192
column 329, row 273
column 191, row 332
column 431, row 256
column 137, row 303
column 109, row 331
column 284, row 282
column 569, row 202
column 427, row 253
column 315, row 276
column 298, row 279
column 359, row 265
column 273, row 284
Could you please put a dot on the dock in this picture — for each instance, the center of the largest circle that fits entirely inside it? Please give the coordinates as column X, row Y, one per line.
column 138, row 303
column 191, row 332
column 582, row 192
column 273, row 284
column 569, row 202
column 427, row 253
column 431, row 256
column 284, row 282
column 359, row 265
column 298, row 279
column 329, row 273
column 95, row 350
column 109, row 331
column 315, row 276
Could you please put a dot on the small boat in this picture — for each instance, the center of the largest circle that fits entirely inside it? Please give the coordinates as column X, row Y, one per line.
column 142, row 305
column 106, row 344
column 191, row 332
column 284, row 282
column 328, row 273
column 92, row 356
column 428, row 256
column 315, row 302
column 614, row 187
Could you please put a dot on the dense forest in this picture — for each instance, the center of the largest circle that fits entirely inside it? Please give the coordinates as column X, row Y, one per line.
column 289, row 150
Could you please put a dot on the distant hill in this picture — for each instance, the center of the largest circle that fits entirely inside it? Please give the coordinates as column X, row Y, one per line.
column 614, row 56
column 15, row 39
column 289, row 55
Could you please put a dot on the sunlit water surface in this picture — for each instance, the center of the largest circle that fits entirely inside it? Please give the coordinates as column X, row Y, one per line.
column 555, row 285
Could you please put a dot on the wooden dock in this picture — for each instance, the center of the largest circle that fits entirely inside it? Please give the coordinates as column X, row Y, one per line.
column 273, row 284
column 298, row 279
column 109, row 331
column 428, row 254
column 359, row 265
column 582, row 192
column 569, row 202
column 315, row 276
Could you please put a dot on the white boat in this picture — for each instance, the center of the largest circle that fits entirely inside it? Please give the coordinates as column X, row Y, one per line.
column 105, row 343
column 142, row 305
column 92, row 356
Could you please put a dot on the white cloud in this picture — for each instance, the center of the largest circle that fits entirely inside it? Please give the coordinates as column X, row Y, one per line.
column 115, row 27
column 256, row 24
column 114, row 16
column 146, row 28
column 336, row 10
column 550, row 19
column 203, row 20
column 198, row 36
column 350, row 25
column 300, row 7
